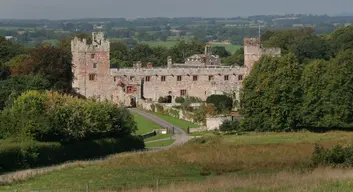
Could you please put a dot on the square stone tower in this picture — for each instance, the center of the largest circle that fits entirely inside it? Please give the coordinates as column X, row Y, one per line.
column 253, row 51
column 91, row 67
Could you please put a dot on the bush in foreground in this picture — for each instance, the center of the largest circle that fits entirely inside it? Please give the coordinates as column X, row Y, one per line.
column 335, row 156
column 30, row 154
column 53, row 117
column 228, row 126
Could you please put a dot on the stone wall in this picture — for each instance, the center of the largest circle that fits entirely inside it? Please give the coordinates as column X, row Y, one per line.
column 163, row 82
column 91, row 67
column 253, row 51
column 93, row 76
column 213, row 123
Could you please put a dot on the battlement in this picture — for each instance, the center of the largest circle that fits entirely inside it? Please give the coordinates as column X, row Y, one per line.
column 176, row 71
column 271, row 51
column 99, row 44
column 251, row 42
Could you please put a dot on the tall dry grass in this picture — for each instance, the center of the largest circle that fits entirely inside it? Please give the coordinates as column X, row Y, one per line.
column 283, row 181
column 210, row 154
column 224, row 157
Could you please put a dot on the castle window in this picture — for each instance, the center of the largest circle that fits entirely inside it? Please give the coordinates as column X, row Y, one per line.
column 210, row 78
column 131, row 78
column 94, row 65
column 129, row 89
column 92, row 77
column 183, row 92
column 194, row 78
column 226, row 77
column 179, row 78
column 240, row 77
column 114, row 79
column 162, row 78
column 148, row 78
column 92, row 56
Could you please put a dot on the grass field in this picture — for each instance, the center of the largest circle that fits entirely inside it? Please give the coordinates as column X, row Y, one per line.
column 159, row 136
column 177, row 122
column 160, row 143
column 144, row 125
column 250, row 162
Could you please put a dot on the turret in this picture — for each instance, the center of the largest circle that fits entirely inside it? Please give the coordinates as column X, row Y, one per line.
column 169, row 62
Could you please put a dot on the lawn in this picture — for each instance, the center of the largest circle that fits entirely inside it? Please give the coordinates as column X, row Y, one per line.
column 250, row 162
column 177, row 122
column 160, row 143
column 144, row 125
column 159, row 136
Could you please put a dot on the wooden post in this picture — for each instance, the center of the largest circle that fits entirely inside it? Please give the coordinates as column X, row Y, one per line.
column 157, row 185
column 87, row 188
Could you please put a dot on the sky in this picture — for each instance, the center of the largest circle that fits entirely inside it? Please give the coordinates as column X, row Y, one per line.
column 73, row 9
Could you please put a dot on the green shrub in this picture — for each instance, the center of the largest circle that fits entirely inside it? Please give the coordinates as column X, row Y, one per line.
column 229, row 125
column 54, row 117
column 30, row 154
column 162, row 100
column 179, row 100
column 192, row 99
column 222, row 103
column 337, row 155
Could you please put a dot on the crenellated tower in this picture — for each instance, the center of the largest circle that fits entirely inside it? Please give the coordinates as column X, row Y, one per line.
column 253, row 51
column 91, row 66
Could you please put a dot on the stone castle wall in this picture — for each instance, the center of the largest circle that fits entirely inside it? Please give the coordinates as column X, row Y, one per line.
column 124, row 85
column 253, row 51
column 92, row 60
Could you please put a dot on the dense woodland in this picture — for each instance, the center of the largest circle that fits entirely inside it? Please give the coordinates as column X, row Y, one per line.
column 309, row 87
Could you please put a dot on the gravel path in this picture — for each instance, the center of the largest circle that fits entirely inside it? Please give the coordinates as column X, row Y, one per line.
column 180, row 136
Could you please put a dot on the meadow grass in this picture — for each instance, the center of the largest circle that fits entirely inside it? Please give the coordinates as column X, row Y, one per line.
column 159, row 136
column 211, row 163
column 177, row 122
column 163, row 143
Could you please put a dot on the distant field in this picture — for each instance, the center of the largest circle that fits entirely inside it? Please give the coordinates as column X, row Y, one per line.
column 51, row 41
column 16, row 28
column 231, row 48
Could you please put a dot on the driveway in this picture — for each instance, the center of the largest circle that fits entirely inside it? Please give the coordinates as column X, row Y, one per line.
column 180, row 136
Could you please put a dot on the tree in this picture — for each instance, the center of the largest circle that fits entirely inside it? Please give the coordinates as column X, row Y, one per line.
column 184, row 49
column 8, row 50
column 120, row 55
column 220, row 51
column 141, row 52
column 236, row 59
column 342, row 39
column 222, row 103
column 16, row 85
column 312, row 47
column 271, row 95
column 54, row 64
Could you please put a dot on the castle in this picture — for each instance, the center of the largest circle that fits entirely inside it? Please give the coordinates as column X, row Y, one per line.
column 200, row 76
